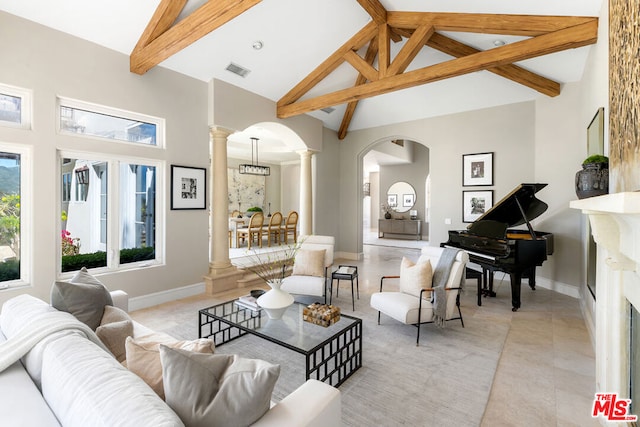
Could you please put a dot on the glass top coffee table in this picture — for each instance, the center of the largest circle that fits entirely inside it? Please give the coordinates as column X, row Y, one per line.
column 332, row 353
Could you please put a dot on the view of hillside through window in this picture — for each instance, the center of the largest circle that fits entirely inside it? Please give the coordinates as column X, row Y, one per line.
column 9, row 216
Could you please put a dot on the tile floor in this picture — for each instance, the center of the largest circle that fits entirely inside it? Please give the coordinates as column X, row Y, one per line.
column 545, row 375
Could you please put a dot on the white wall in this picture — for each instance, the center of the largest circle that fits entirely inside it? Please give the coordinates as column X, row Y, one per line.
column 52, row 63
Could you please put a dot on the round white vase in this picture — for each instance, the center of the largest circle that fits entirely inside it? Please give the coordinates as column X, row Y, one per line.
column 275, row 301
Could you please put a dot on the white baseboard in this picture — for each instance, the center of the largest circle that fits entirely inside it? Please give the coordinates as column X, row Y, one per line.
column 561, row 288
column 144, row 301
column 348, row 255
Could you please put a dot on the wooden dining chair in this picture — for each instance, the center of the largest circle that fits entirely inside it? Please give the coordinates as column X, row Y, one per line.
column 273, row 229
column 254, row 231
column 290, row 227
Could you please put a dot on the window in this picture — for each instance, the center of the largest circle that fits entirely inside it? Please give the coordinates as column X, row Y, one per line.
column 14, row 215
column 15, row 107
column 77, row 117
column 113, row 192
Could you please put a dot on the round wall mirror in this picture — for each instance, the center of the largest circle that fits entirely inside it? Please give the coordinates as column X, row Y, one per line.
column 401, row 196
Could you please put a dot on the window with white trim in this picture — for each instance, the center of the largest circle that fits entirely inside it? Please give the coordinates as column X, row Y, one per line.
column 98, row 121
column 112, row 222
column 15, row 215
column 15, row 106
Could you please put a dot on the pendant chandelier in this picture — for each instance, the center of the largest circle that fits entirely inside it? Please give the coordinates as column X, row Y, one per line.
column 254, row 168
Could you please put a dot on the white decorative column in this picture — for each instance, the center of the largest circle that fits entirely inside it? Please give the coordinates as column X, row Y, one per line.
column 306, row 199
column 222, row 274
column 615, row 224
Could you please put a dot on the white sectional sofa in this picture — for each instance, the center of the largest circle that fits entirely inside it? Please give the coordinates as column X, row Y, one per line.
column 67, row 379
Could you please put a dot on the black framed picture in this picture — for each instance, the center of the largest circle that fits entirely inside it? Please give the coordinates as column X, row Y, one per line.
column 475, row 204
column 408, row 200
column 188, row 187
column 477, row 169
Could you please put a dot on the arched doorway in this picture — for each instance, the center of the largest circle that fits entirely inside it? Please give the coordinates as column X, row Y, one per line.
column 401, row 164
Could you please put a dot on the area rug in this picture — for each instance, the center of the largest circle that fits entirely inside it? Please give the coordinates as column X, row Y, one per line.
column 444, row 381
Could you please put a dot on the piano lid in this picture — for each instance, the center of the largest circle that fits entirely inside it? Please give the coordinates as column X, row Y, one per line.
column 507, row 211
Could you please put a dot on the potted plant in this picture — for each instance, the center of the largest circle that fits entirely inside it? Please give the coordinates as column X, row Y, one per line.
column 593, row 179
column 253, row 210
column 387, row 209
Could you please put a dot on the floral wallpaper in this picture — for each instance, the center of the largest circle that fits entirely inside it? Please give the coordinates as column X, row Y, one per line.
column 248, row 190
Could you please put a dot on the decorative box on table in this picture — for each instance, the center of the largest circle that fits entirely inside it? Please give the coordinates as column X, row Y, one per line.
column 321, row 314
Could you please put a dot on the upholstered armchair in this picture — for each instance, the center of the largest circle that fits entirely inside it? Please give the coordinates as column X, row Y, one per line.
column 311, row 265
column 418, row 300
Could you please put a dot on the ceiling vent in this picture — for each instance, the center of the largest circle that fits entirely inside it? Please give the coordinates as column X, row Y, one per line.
column 237, row 69
column 328, row 110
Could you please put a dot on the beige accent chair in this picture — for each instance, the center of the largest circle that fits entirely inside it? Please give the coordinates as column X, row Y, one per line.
column 413, row 303
column 253, row 232
column 273, row 229
column 311, row 265
column 290, row 226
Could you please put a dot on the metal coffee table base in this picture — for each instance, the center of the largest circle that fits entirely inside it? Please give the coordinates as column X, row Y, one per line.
column 332, row 360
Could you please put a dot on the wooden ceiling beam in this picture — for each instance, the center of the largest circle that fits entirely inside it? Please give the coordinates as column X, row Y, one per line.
column 208, row 17
column 568, row 38
column 163, row 18
column 331, row 63
column 369, row 58
column 515, row 25
column 376, row 10
column 384, row 50
column 361, row 65
column 410, row 49
column 512, row 72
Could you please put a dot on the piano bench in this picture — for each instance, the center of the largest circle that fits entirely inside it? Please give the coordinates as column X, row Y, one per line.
column 475, row 274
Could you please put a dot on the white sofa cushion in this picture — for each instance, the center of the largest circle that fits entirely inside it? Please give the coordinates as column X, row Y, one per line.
column 222, row 391
column 21, row 403
column 22, row 310
column 85, row 386
column 304, row 285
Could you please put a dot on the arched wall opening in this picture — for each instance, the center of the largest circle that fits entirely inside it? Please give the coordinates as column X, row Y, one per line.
column 411, row 164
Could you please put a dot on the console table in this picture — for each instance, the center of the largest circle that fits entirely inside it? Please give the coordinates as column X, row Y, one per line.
column 400, row 226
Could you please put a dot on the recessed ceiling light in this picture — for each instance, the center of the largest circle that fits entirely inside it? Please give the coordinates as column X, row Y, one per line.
column 499, row 43
column 257, row 45
column 237, row 69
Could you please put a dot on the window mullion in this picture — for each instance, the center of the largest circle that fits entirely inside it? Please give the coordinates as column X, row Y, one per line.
column 113, row 215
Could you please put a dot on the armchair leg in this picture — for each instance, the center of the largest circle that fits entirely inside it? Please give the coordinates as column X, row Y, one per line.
column 378, row 318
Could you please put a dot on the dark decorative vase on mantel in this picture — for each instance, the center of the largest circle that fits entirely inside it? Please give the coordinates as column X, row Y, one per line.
column 387, row 215
column 593, row 179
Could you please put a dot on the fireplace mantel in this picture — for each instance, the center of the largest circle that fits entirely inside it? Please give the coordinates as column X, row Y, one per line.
column 615, row 224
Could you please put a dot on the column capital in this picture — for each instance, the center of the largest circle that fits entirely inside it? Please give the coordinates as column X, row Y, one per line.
column 219, row 132
column 305, row 153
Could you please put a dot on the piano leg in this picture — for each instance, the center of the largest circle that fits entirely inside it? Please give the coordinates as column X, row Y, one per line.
column 487, row 279
column 532, row 278
column 516, row 281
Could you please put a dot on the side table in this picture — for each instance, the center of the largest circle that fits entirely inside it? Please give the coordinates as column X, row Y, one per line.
column 345, row 272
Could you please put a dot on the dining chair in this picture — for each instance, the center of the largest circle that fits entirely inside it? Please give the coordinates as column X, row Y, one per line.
column 253, row 231
column 273, row 228
column 290, row 226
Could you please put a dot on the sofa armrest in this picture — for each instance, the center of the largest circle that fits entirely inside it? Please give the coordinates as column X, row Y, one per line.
column 313, row 404
column 120, row 300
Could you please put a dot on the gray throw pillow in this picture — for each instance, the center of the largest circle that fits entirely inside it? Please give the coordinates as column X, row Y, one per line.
column 216, row 389
column 84, row 296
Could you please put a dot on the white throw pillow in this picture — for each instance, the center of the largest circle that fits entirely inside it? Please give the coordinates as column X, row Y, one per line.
column 222, row 390
column 415, row 277
column 143, row 356
column 309, row 263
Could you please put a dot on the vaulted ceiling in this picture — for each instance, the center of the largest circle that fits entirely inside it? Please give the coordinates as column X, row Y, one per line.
column 373, row 62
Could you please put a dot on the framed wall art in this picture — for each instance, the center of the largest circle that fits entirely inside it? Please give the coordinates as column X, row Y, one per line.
column 392, row 200
column 408, row 200
column 188, row 187
column 475, row 204
column 477, row 169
